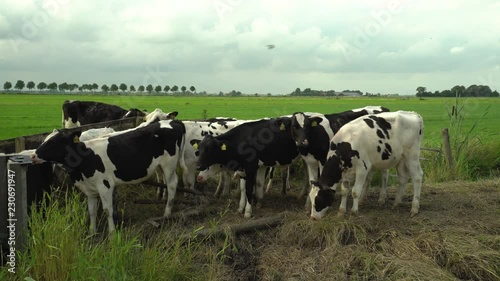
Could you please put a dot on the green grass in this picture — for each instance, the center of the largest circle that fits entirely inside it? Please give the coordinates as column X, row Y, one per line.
column 60, row 249
column 31, row 114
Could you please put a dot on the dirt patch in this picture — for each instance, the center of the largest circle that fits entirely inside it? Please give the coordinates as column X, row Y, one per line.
column 456, row 235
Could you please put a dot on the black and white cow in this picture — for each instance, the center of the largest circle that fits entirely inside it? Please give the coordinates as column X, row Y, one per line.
column 249, row 147
column 313, row 132
column 77, row 113
column 372, row 142
column 195, row 132
column 97, row 166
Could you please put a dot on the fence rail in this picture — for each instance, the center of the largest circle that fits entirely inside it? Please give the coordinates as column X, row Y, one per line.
column 33, row 141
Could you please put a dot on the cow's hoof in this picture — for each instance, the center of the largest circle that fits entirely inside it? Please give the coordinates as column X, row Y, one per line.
column 413, row 213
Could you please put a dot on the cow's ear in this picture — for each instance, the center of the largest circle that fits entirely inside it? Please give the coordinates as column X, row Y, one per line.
column 315, row 121
column 282, row 123
column 172, row 115
column 75, row 136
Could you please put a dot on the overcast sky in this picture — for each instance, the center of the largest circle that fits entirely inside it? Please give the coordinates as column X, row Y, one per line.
column 386, row 46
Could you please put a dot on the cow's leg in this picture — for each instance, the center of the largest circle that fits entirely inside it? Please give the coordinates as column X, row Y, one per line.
column 313, row 175
column 357, row 189
column 366, row 186
column 403, row 177
column 416, row 176
column 226, row 182
column 219, row 186
column 383, row 189
column 344, row 193
column 270, row 182
column 189, row 178
column 243, row 196
column 92, row 202
column 259, row 185
column 171, row 180
column 286, row 181
column 107, row 206
column 249, row 189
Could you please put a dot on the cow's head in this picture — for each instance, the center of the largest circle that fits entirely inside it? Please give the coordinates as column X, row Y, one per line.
column 134, row 112
column 61, row 148
column 321, row 199
column 301, row 127
column 172, row 115
column 211, row 150
column 208, row 173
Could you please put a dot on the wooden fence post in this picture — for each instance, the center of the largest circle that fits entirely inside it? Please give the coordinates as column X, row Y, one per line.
column 447, row 147
column 20, row 144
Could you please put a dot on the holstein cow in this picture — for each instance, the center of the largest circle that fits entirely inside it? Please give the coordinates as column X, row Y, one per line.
column 97, row 166
column 376, row 142
column 263, row 143
column 78, row 113
column 313, row 132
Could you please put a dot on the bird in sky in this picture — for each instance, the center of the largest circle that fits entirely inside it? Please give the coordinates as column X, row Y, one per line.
column 270, row 46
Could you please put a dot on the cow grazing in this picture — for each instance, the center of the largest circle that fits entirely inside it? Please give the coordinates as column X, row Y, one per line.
column 262, row 143
column 371, row 142
column 313, row 132
column 78, row 113
column 97, row 166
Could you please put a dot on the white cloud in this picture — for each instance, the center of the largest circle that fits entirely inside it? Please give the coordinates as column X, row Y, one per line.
column 456, row 50
column 357, row 44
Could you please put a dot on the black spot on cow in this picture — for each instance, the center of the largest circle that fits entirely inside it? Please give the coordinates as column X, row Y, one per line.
column 380, row 141
column 364, row 163
column 385, row 154
column 380, row 134
column 106, row 183
column 346, row 153
column 333, row 146
column 369, row 122
column 379, row 149
column 388, row 147
column 211, row 133
column 420, row 132
column 382, row 124
column 213, row 127
column 324, row 199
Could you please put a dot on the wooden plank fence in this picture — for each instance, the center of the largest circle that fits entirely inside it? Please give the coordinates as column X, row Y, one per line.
column 33, row 141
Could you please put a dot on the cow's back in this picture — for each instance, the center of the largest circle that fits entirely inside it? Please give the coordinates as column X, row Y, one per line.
column 384, row 138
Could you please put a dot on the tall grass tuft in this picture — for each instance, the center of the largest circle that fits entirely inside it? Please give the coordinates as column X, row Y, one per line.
column 60, row 248
column 473, row 159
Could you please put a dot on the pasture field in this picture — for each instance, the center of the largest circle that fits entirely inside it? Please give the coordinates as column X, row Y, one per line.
column 456, row 235
column 30, row 114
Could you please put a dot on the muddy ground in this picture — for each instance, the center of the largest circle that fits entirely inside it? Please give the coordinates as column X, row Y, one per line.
column 456, row 235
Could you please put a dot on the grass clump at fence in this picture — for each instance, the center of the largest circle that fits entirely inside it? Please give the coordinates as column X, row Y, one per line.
column 59, row 248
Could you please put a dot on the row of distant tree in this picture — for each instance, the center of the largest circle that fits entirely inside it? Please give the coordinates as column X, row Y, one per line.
column 471, row 91
column 67, row 87
column 20, row 85
column 312, row 92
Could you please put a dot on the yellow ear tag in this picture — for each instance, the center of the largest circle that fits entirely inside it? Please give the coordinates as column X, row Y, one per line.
column 223, row 147
column 195, row 146
column 282, row 126
column 76, row 139
column 314, row 124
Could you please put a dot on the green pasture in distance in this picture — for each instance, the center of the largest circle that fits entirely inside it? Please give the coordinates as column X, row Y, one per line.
column 30, row 114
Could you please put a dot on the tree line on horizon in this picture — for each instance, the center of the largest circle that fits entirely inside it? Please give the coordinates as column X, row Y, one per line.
column 71, row 87
column 20, row 85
